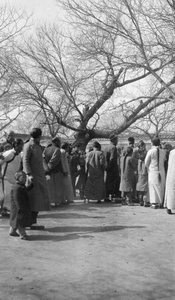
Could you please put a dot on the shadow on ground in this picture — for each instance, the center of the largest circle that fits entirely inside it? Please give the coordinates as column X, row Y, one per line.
column 91, row 229
column 68, row 215
column 78, row 232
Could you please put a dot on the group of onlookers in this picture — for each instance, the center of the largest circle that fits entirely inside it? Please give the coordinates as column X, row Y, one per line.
column 33, row 177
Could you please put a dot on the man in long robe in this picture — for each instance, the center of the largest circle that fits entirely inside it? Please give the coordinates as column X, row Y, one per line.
column 170, row 184
column 112, row 169
column 33, row 167
column 95, row 163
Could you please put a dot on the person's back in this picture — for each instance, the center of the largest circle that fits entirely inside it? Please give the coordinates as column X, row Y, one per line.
column 154, row 161
column 127, row 174
column 52, row 156
column 95, row 186
column 112, row 169
column 96, row 163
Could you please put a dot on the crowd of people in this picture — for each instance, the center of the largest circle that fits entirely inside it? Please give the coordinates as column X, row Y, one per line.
column 36, row 178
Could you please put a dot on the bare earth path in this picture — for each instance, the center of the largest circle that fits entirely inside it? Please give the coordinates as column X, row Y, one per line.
column 91, row 251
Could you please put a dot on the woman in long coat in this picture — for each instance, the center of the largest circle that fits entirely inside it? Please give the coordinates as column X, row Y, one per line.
column 127, row 174
column 52, row 158
column 33, row 167
column 154, row 161
column 95, row 165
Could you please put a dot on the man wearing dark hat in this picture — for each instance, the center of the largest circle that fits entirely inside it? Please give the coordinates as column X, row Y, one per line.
column 33, row 167
column 112, row 169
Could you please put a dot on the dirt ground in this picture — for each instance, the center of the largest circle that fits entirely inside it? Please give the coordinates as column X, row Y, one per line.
column 91, row 251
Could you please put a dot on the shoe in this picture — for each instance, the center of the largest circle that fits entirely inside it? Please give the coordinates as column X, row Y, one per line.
column 5, row 214
column 99, row 202
column 64, row 203
column 124, row 202
column 169, row 211
column 154, row 206
column 107, row 200
column 37, row 227
column 13, row 234
column 141, row 203
column 130, row 203
column 24, row 237
column 71, row 201
column 146, row 204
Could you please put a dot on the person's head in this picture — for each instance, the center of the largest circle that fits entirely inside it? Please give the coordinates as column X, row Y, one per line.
column 18, row 145
column 141, row 146
column 156, row 142
column 36, row 133
column 131, row 141
column 56, row 141
column 97, row 145
column 11, row 137
column 65, row 146
column 113, row 138
column 167, row 147
column 20, row 177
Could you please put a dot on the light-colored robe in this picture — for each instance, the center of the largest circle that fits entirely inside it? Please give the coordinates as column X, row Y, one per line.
column 156, row 187
column 9, row 166
column 33, row 164
column 170, row 183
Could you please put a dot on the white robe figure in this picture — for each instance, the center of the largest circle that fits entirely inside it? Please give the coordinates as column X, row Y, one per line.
column 170, row 183
column 156, row 175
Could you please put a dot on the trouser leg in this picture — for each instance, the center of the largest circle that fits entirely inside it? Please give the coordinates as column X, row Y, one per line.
column 34, row 217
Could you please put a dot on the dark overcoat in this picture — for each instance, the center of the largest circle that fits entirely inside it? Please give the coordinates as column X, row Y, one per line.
column 20, row 213
column 127, row 174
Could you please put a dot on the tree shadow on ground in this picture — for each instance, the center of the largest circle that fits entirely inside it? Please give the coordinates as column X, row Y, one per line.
column 68, row 215
column 89, row 229
column 58, row 238
column 78, row 232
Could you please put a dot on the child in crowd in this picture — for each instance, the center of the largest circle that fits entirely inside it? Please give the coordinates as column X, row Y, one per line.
column 20, row 215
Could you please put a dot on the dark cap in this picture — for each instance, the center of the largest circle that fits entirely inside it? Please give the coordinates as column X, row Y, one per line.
column 113, row 137
column 56, row 140
column 36, row 132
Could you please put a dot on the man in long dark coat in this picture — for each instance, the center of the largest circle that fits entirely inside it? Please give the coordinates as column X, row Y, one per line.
column 33, row 167
column 112, row 169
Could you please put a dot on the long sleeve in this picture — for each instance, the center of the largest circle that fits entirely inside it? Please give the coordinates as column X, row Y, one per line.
column 148, row 159
column 55, row 159
column 27, row 152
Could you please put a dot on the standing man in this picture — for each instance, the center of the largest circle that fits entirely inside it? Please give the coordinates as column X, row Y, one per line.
column 112, row 169
column 52, row 158
column 135, row 155
column 33, row 167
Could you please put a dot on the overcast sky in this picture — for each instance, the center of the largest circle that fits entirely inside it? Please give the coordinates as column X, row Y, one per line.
column 41, row 9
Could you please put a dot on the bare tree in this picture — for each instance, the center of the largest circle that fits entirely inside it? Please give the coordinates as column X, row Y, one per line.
column 110, row 48
column 159, row 120
column 12, row 25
